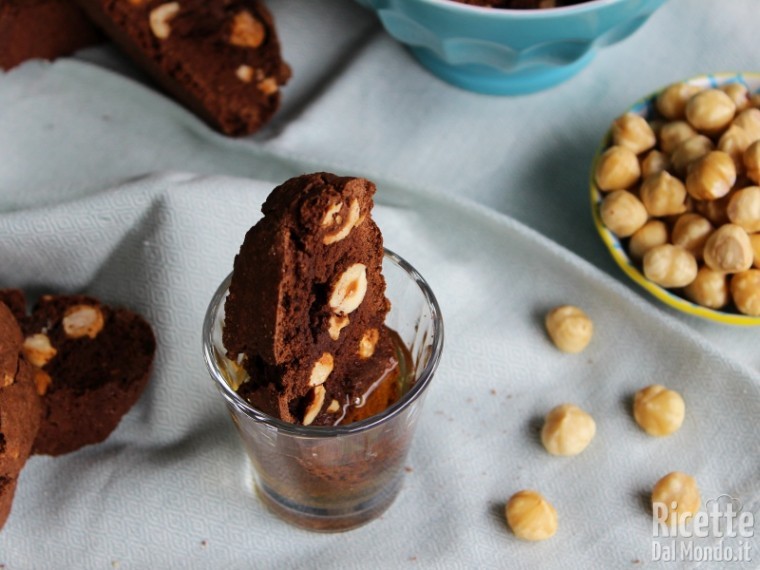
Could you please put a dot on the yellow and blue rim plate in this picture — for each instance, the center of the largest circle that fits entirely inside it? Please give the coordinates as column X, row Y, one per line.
column 645, row 108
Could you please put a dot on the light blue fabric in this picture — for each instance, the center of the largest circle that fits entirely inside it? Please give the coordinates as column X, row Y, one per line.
column 108, row 187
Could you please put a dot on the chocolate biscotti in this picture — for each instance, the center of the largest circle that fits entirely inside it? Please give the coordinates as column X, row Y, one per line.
column 20, row 409
column 44, row 29
column 95, row 362
column 221, row 59
column 306, row 307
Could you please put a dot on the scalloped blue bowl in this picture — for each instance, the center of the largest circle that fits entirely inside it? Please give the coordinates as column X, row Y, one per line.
column 508, row 52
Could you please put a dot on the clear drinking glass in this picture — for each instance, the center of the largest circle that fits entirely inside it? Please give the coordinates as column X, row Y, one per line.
column 337, row 478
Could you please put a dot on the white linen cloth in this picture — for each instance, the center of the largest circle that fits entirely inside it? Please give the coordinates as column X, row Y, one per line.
column 109, row 188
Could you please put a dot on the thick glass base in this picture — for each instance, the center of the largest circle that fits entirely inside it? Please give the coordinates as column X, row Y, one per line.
column 330, row 519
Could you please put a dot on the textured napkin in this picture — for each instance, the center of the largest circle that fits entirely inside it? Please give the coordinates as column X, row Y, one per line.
column 81, row 211
column 171, row 487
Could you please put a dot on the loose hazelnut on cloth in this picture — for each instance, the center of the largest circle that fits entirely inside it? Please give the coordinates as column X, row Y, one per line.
column 675, row 497
column 531, row 516
column 568, row 430
column 658, row 411
column 569, row 328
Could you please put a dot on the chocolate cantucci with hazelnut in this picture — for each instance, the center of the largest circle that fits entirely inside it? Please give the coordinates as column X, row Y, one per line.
column 220, row 59
column 92, row 364
column 306, row 307
column 20, row 408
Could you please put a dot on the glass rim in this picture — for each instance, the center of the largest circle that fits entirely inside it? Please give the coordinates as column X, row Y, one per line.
column 423, row 379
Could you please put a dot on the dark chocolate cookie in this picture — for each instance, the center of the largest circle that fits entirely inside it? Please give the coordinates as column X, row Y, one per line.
column 7, row 491
column 307, row 303
column 10, row 345
column 221, row 59
column 44, row 29
column 95, row 363
column 15, row 300
column 20, row 409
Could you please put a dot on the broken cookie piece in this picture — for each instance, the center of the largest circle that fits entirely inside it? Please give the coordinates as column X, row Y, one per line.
column 306, row 307
column 10, row 345
column 93, row 363
column 220, row 59
column 44, row 29
column 20, row 409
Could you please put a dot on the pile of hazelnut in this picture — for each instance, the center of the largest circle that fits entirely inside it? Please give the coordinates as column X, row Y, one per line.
column 683, row 190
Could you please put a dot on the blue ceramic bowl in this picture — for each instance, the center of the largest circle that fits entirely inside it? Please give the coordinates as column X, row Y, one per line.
column 508, row 52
